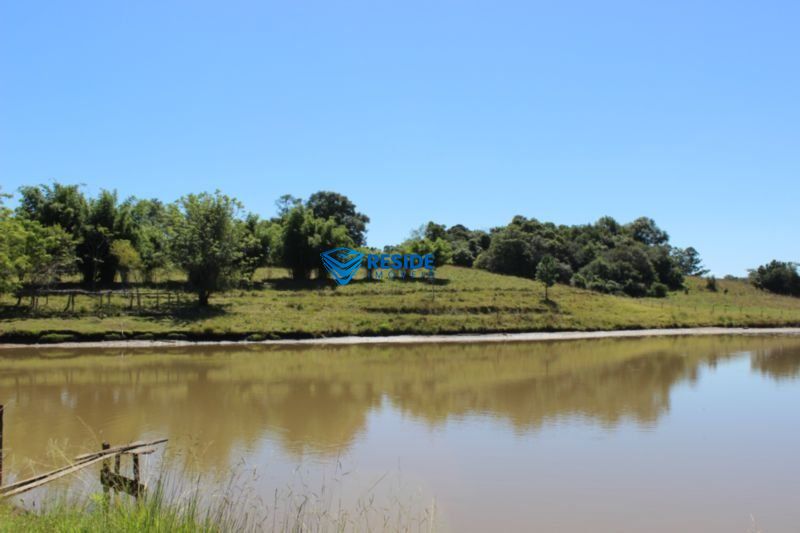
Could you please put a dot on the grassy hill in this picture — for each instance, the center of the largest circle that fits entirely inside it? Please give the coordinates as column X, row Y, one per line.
column 462, row 300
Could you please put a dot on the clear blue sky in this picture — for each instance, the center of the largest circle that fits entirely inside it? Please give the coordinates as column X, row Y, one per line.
column 456, row 111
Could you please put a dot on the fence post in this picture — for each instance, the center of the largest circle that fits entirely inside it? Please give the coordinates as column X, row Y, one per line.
column 104, row 472
column 136, row 470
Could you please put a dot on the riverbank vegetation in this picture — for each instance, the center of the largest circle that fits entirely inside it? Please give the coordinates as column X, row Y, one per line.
column 57, row 231
column 59, row 246
column 461, row 300
column 180, row 509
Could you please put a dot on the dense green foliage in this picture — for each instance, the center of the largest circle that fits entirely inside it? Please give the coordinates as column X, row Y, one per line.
column 305, row 236
column 634, row 259
column 57, row 230
column 31, row 254
column 209, row 241
column 777, row 277
column 331, row 205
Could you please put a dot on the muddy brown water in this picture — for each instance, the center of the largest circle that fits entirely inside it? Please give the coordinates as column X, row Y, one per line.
column 654, row 434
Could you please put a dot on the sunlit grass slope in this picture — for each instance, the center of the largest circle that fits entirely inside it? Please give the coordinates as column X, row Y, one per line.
column 462, row 300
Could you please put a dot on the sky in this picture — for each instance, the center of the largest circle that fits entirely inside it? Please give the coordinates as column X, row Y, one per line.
column 454, row 111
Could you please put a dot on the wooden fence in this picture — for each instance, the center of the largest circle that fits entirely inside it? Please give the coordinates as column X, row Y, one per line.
column 103, row 297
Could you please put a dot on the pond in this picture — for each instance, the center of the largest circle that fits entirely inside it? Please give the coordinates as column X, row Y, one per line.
column 652, row 434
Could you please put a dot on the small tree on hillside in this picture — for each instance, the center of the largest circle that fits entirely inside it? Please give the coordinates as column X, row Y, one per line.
column 305, row 237
column 207, row 243
column 547, row 273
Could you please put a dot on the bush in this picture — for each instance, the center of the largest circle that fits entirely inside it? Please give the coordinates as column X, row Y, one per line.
column 659, row 290
column 777, row 277
column 462, row 256
column 711, row 284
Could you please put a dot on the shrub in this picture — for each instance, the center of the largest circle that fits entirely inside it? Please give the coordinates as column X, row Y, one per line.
column 777, row 277
column 659, row 290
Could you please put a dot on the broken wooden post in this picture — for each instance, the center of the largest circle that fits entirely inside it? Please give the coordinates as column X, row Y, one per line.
column 107, row 478
column 136, row 471
column 104, row 472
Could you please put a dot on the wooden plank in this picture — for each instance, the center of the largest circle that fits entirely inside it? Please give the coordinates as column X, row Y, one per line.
column 47, row 478
column 125, row 448
column 141, row 451
column 81, row 462
column 29, row 480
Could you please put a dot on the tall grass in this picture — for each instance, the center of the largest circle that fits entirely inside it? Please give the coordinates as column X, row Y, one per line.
column 173, row 504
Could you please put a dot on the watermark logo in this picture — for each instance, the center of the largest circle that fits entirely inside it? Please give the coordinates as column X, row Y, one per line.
column 342, row 263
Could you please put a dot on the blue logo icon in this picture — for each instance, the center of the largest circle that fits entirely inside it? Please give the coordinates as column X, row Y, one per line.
column 342, row 263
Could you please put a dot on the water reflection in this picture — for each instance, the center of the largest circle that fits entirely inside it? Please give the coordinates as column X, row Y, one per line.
column 317, row 400
column 781, row 362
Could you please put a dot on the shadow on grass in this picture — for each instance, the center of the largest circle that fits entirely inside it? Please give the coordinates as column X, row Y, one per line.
column 184, row 313
column 552, row 305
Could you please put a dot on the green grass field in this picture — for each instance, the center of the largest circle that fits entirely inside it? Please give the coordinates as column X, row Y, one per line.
column 462, row 300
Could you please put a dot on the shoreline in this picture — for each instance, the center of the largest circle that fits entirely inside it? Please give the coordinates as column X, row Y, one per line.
column 480, row 338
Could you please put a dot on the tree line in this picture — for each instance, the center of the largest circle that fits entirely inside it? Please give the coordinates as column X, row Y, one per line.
column 57, row 231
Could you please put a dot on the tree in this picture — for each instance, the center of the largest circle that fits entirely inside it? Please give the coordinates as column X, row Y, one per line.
column 50, row 254
column 646, row 231
column 778, row 277
column 152, row 235
column 31, row 254
column 688, row 261
column 207, row 241
column 286, row 203
column 12, row 246
column 128, row 259
column 510, row 252
column 327, row 204
column 547, row 273
column 94, row 224
column 56, row 205
column 604, row 256
column 106, row 221
column 305, row 237
column 258, row 247
column 435, row 231
column 440, row 248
